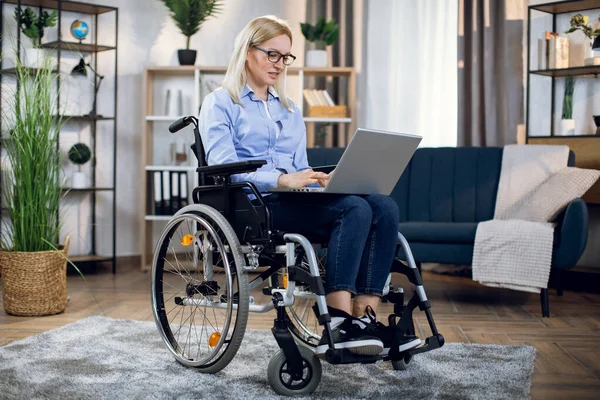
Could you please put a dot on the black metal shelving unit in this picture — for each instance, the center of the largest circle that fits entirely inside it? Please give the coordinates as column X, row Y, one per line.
column 60, row 46
column 555, row 9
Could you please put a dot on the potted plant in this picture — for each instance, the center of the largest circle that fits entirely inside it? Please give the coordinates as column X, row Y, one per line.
column 79, row 154
column 189, row 15
column 567, row 123
column 33, row 26
column 322, row 34
column 580, row 23
column 33, row 265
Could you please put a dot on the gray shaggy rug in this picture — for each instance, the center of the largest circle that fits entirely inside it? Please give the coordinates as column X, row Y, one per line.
column 104, row 358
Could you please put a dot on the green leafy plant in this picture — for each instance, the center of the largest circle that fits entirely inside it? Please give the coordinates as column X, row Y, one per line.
column 567, row 112
column 580, row 23
column 33, row 26
column 79, row 154
column 31, row 181
column 189, row 15
column 323, row 33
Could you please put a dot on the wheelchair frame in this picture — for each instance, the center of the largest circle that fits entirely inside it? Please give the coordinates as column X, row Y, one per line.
column 251, row 221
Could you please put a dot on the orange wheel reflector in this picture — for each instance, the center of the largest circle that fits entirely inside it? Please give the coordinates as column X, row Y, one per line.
column 187, row 240
column 285, row 281
column 214, row 339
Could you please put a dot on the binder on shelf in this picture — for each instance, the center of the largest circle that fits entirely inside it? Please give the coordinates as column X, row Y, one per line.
column 170, row 190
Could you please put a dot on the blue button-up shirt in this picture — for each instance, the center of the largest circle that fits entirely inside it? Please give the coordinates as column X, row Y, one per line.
column 232, row 133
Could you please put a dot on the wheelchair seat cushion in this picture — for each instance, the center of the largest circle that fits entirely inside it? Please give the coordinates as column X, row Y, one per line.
column 438, row 232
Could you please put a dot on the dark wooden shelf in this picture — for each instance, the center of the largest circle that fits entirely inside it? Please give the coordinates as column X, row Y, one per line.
column 88, row 258
column 86, row 117
column 76, row 46
column 65, row 5
column 562, row 7
column 574, row 71
column 88, row 189
column 30, row 71
column 564, row 137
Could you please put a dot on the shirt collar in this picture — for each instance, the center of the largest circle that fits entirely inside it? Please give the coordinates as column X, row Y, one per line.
column 247, row 90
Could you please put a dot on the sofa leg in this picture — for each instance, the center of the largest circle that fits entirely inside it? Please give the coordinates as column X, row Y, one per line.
column 545, row 303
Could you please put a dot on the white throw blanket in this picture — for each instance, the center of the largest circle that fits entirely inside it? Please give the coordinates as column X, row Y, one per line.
column 512, row 253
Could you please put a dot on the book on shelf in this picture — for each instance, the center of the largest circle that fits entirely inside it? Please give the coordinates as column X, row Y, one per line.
column 316, row 97
column 553, row 51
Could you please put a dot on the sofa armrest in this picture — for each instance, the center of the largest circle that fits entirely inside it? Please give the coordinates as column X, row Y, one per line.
column 572, row 225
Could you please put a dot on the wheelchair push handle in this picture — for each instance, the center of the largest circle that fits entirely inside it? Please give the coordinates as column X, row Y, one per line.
column 182, row 123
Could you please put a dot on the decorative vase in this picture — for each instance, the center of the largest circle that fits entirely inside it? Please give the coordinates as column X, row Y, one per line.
column 567, row 127
column 186, row 57
column 79, row 180
column 35, row 283
column 316, row 58
column 589, row 56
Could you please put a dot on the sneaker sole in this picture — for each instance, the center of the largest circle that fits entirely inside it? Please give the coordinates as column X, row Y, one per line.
column 369, row 347
column 406, row 346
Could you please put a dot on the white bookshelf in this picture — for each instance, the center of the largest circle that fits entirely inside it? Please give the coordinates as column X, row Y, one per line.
column 192, row 81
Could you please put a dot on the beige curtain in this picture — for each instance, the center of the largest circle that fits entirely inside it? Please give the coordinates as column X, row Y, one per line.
column 490, row 71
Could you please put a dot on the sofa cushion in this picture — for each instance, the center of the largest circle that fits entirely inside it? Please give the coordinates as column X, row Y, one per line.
column 548, row 199
column 439, row 232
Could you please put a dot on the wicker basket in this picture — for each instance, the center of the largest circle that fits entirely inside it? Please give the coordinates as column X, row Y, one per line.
column 35, row 283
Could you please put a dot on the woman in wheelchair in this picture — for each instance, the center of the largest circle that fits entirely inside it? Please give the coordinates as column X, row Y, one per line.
column 337, row 250
column 250, row 117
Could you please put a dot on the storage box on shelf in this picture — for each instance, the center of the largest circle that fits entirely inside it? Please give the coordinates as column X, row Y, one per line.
column 587, row 146
column 198, row 81
column 90, row 47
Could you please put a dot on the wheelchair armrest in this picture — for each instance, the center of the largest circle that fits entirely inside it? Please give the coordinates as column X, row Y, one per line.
column 324, row 168
column 231, row 168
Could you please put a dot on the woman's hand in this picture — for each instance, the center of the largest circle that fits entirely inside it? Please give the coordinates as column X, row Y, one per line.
column 302, row 178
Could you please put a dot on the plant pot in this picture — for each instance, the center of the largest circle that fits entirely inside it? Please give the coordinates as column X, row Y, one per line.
column 186, row 57
column 35, row 283
column 567, row 127
column 78, row 180
column 316, row 58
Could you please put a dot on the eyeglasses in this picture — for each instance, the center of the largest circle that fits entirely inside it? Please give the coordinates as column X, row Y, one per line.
column 275, row 56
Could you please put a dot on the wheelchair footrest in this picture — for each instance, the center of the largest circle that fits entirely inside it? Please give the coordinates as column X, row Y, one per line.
column 343, row 356
column 431, row 343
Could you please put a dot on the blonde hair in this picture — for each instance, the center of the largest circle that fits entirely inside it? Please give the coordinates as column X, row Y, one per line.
column 258, row 31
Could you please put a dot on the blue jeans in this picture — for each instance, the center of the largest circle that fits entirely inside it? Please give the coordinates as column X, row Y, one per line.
column 361, row 232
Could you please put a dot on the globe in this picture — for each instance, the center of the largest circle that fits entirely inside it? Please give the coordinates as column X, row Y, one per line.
column 79, row 29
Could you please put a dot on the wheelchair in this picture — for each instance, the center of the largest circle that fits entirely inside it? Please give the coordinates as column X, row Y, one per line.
column 201, row 293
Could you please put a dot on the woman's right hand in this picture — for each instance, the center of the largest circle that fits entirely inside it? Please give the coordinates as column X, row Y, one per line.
column 301, row 179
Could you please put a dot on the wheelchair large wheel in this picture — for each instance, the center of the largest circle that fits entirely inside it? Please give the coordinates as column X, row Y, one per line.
column 303, row 324
column 281, row 380
column 199, row 289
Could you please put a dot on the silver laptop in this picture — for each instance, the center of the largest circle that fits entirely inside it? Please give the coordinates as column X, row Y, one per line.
column 372, row 163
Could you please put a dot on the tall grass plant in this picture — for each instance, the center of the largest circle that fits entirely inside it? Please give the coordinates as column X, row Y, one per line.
column 31, row 183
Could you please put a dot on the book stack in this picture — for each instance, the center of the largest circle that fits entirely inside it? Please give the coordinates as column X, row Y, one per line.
column 320, row 104
column 553, row 51
column 170, row 191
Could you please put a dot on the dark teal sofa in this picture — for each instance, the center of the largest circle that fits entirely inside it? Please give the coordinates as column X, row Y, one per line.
column 445, row 192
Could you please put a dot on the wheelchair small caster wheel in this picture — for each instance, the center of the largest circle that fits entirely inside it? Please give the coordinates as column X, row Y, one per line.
column 402, row 364
column 281, row 380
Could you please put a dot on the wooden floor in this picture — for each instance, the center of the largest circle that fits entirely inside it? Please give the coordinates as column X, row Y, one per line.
column 568, row 344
